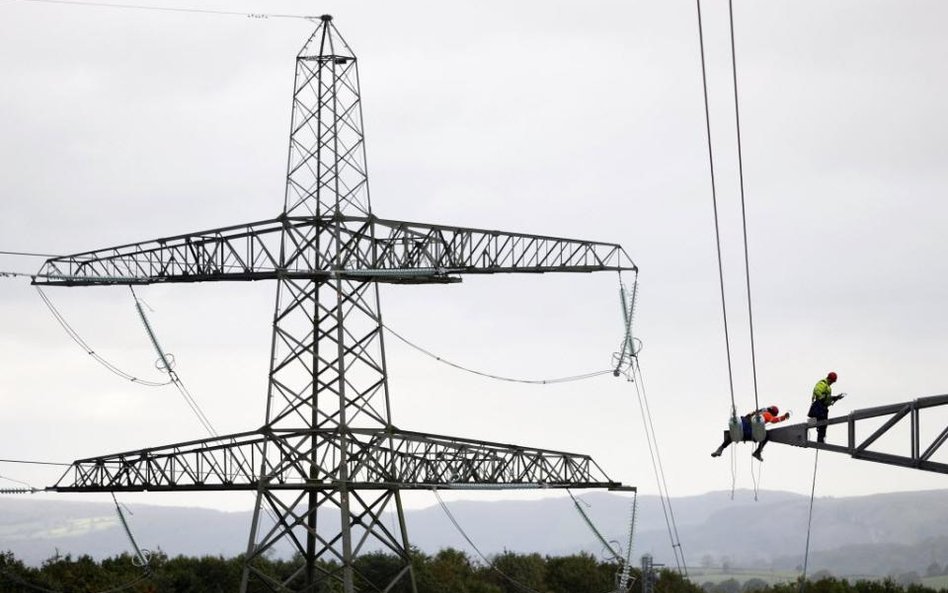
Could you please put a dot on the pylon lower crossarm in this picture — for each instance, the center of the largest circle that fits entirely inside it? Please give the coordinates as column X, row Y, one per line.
column 377, row 459
column 915, row 453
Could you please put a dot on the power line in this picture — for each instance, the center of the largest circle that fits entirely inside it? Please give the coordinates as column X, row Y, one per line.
column 740, row 168
column 252, row 15
column 714, row 201
column 497, row 377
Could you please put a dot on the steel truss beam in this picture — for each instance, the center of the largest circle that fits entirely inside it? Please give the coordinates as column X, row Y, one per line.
column 378, row 459
column 918, row 455
column 370, row 248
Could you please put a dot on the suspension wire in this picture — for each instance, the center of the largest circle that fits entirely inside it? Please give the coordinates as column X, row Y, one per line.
column 74, row 335
column 490, row 564
column 809, row 523
column 740, row 168
column 252, row 15
column 592, row 527
column 733, row 471
column 166, row 363
column 143, row 556
column 657, row 467
column 714, row 201
column 497, row 377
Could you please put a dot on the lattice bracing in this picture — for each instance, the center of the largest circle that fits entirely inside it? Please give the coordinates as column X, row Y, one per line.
column 378, row 459
column 916, row 452
column 328, row 441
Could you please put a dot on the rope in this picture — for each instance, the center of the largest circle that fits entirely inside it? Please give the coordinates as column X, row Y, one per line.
column 657, row 467
column 755, row 478
column 457, row 526
column 714, row 201
column 74, row 335
column 252, row 15
column 602, row 540
column 740, row 168
column 809, row 522
column 497, row 377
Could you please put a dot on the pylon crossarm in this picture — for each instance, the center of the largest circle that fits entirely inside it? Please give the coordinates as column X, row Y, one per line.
column 408, row 245
column 365, row 248
column 915, row 452
column 378, row 459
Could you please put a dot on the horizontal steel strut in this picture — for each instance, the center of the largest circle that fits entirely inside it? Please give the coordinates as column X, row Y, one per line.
column 860, row 448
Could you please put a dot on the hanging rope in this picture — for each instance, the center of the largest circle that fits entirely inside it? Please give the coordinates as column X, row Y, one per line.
column 740, row 168
column 490, row 564
column 755, row 478
column 658, row 469
column 74, row 335
column 809, row 523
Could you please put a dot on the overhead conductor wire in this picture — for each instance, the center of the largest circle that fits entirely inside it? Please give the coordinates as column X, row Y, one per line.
column 74, row 335
column 253, row 15
column 487, row 561
column 658, row 468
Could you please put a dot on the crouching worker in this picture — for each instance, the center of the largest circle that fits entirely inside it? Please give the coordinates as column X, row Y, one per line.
column 769, row 415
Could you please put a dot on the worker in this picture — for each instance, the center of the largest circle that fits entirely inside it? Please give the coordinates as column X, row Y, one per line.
column 769, row 415
column 823, row 398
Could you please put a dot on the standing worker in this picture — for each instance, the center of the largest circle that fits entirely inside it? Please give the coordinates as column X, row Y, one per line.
column 823, row 398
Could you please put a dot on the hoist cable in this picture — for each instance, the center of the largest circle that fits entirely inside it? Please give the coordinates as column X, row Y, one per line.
column 490, row 564
column 492, row 376
column 657, row 467
column 74, row 335
column 740, row 168
column 592, row 527
column 714, row 201
column 809, row 523
column 254, row 15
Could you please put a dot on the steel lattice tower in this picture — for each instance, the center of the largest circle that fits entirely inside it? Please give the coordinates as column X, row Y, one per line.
column 328, row 441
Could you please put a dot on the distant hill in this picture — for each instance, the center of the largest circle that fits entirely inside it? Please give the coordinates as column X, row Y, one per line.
column 868, row 535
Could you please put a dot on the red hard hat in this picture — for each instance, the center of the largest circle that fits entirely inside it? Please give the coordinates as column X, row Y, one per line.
column 831, row 377
column 773, row 410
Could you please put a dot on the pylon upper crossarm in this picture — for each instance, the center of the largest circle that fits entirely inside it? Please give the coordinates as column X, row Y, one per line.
column 243, row 252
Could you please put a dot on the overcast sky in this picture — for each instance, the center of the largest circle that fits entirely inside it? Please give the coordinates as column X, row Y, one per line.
column 582, row 120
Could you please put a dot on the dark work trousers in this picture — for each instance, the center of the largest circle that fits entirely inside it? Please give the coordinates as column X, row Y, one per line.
column 819, row 411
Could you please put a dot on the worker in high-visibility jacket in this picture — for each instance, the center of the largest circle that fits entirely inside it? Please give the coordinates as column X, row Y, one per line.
column 769, row 415
column 822, row 399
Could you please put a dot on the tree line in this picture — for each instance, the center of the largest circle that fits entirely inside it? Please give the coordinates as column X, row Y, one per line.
column 448, row 571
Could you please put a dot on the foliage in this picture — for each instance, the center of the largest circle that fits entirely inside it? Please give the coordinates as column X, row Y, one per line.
column 448, row 571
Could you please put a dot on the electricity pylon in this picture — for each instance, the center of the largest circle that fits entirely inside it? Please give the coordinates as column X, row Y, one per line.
column 328, row 441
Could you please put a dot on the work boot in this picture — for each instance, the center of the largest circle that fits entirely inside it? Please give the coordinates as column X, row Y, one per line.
column 716, row 453
column 757, row 455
